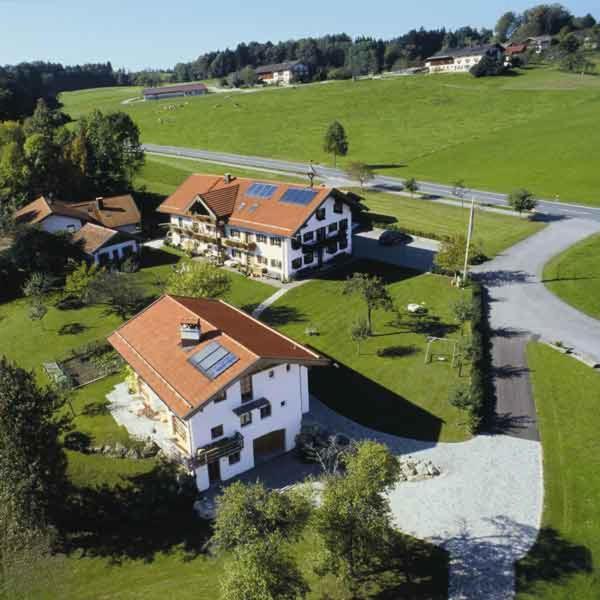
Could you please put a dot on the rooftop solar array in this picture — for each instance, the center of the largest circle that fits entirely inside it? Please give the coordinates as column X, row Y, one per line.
column 303, row 197
column 261, row 190
column 213, row 360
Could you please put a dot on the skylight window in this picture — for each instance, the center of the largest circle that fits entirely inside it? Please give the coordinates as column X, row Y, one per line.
column 213, row 360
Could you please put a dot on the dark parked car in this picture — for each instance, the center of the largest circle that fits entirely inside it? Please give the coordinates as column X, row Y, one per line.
column 391, row 237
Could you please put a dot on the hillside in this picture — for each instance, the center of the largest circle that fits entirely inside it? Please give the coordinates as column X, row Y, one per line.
column 535, row 129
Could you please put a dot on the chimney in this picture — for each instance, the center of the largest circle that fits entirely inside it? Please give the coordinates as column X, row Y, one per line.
column 99, row 203
column 190, row 332
column 228, row 178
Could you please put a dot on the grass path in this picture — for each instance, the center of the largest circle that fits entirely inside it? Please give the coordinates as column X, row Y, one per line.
column 564, row 563
column 574, row 276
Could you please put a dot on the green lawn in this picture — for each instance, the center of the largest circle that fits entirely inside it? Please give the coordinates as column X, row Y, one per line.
column 496, row 133
column 564, row 564
column 399, row 395
column 31, row 343
column 574, row 276
column 496, row 232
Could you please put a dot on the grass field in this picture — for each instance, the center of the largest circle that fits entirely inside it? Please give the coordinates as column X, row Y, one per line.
column 31, row 343
column 496, row 133
column 494, row 231
column 565, row 562
column 401, row 394
column 574, row 276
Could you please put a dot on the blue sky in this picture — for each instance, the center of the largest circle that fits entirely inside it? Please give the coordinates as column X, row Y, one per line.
column 158, row 33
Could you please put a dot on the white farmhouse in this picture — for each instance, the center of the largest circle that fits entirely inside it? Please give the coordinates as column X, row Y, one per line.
column 282, row 73
column 462, row 60
column 231, row 390
column 272, row 228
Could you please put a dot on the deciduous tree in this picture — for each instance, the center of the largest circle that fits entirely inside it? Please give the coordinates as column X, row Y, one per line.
column 372, row 289
column 354, row 521
column 335, row 141
column 196, row 279
column 360, row 172
column 359, row 332
column 411, row 185
column 80, row 280
column 263, row 570
column 521, row 200
column 249, row 513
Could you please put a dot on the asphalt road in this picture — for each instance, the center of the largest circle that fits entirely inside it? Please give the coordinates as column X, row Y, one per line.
column 549, row 207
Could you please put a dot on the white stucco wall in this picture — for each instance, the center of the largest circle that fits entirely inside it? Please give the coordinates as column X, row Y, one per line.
column 115, row 251
column 55, row 223
column 287, row 387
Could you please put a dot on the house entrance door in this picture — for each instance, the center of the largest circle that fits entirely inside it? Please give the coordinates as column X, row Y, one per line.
column 214, row 472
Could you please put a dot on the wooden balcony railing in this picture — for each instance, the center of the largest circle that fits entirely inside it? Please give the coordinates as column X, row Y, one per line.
column 213, row 452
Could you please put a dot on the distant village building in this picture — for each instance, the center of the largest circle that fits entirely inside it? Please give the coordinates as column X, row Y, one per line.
column 515, row 48
column 462, row 60
column 225, row 392
column 539, row 43
column 175, row 91
column 269, row 227
column 285, row 73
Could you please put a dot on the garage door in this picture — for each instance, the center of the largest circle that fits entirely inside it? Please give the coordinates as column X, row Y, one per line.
column 271, row 443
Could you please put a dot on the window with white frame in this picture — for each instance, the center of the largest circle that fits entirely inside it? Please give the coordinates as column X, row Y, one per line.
column 276, row 241
column 234, row 233
column 245, row 419
column 276, row 264
column 261, row 238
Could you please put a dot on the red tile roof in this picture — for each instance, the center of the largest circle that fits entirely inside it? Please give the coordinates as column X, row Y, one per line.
column 38, row 210
column 116, row 211
column 228, row 199
column 151, row 344
column 93, row 237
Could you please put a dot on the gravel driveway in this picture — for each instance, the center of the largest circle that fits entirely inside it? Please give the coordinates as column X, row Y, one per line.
column 484, row 508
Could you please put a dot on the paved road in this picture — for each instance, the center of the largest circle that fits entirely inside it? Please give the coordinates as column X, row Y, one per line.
column 521, row 303
column 380, row 181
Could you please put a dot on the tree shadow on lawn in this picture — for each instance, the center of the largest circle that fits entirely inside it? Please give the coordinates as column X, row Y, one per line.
column 370, row 404
column 152, row 257
column 277, row 316
column 416, row 569
column 389, row 273
column 148, row 514
column 552, row 559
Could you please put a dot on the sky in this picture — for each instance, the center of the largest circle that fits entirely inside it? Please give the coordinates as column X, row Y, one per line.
column 137, row 34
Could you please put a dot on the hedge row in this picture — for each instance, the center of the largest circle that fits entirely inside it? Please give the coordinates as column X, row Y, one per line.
column 481, row 390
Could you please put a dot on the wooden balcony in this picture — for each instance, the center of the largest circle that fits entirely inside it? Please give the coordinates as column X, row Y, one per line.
column 219, row 449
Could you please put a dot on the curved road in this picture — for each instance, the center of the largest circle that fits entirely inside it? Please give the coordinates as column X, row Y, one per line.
column 380, row 181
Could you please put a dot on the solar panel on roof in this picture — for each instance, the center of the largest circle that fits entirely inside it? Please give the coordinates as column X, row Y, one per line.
column 213, row 360
column 303, row 197
column 261, row 190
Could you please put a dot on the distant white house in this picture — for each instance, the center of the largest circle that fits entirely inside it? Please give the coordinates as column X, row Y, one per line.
column 175, row 91
column 283, row 73
column 462, row 60
column 270, row 227
column 225, row 391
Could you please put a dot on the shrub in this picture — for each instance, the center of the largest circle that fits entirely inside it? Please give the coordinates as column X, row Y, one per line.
column 130, row 265
column 339, row 73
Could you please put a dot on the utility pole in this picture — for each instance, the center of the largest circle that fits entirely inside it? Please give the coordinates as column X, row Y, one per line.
column 469, row 235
